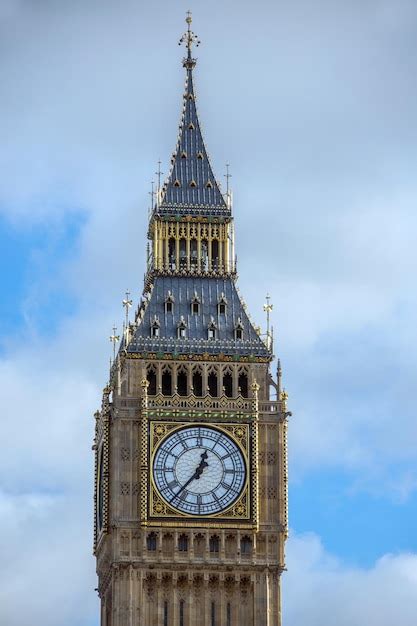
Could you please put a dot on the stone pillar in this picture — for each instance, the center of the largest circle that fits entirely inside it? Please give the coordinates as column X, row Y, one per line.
column 166, row 249
column 260, row 596
column 222, row 545
column 188, row 247
column 175, row 601
column 177, row 248
column 207, row 601
column 175, row 545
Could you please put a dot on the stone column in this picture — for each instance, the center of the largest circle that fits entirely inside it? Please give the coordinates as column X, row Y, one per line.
column 206, row 621
column 166, row 249
column 175, row 601
column 260, row 596
column 188, row 246
column 177, row 247
column 222, row 545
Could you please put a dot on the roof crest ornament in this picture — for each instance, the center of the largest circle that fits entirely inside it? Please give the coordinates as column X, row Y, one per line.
column 189, row 38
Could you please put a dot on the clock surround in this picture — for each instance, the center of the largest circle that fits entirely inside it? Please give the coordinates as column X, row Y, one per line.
column 241, row 435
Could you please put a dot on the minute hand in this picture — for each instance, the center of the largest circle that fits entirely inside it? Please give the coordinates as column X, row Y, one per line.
column 195, row 476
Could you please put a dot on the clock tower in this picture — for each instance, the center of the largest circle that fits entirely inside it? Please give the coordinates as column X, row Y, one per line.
column 190, row 449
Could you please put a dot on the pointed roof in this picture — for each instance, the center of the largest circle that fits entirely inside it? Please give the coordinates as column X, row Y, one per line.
column 209, row 291
column 191, row 187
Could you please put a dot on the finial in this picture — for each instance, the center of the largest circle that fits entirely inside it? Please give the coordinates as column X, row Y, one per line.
column 158, row 190
column 268, row 307
column 152, row 194
column 279, row 378
column 127, row 304
column 284, row 398
column 227, row 177
column 189, row 38
column 114, row 339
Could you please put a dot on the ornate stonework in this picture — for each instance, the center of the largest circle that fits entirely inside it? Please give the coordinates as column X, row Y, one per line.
column 191, row 471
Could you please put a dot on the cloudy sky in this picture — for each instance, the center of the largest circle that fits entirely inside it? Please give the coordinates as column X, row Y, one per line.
column 313, row 103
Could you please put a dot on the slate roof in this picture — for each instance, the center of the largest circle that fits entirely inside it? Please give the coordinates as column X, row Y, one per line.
column 209, row 292
column 191, row 187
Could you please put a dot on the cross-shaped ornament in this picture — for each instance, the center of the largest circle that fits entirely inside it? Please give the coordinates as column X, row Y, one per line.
column 114, row 339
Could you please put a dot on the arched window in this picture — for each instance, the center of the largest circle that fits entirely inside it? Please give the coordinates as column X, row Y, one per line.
column 151, row 377
column 239, row 329
column 193, row 253
column 222, row 305
column 213, row 614
column 183, row 543
column 230, row 546
column 182, row 603
column 197, row 383
column 167, row 383
column 195, row 304
column 215, row 254
column 182, row 382
column 183, row 253
column 182, row 329
column 246, row 546
column 204, row 255
column 212, row 384
column 169, row 303
column 167, row 544
column 199, row 545
column 171, row 254
column 228, row 384
column 165, row 613
column 155, row 326
column 214, row 544
column 212, row 330
column 243, row 384
column 151, row 542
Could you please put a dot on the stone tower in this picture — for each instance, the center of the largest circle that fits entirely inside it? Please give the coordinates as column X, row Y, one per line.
column 191, row 460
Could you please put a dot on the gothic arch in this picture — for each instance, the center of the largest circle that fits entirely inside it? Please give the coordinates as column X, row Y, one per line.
column 151, row 378
column 166, row 380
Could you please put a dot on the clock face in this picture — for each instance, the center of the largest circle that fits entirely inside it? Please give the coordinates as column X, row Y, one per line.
column 199, row 470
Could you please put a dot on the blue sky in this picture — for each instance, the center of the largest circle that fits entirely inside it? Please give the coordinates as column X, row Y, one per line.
column 313, row 104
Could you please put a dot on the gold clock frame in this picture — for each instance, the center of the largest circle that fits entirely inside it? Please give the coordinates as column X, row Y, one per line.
column 241, row 510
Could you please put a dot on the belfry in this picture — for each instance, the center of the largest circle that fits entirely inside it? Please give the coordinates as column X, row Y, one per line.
column 190, row 441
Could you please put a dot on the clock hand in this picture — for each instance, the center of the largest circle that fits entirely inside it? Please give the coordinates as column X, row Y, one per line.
column 203, row 463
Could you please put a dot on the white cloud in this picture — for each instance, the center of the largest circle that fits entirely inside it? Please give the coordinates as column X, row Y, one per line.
column 320, row 590
column 323, row 158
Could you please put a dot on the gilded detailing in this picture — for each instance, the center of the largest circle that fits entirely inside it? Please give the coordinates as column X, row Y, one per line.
column 255, row 454
column 96, row 477
column 284, row 463
column 102, row 468
column 193, row 247
column 143, row 477
column 198, row 357
column 170, row 550
column 285, row 477
column 241, row 435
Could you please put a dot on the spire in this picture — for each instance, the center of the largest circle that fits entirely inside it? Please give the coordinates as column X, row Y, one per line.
column 191, row 187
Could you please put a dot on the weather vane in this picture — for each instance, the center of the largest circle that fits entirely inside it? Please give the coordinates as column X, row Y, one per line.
column 189, row 38
column 127, row 304
column 114, row 339
column 268, row 307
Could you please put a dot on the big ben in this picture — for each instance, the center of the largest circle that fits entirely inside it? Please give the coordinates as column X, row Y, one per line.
column 190, row 441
